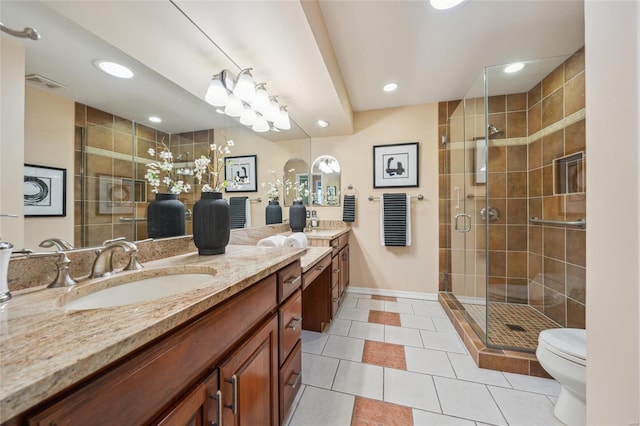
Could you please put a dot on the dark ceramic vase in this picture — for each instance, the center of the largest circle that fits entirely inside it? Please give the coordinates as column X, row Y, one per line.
column 211, row 223
column 297, row 216
column 165, row 216
column 273, row 213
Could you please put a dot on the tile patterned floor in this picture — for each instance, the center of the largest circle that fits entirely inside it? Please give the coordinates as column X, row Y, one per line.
column 388, row 361
column 501, row 314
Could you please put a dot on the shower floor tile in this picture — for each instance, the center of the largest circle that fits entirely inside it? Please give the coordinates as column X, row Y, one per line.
column 503, row 315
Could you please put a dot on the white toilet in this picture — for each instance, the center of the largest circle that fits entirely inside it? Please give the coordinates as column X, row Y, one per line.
column 562, row 352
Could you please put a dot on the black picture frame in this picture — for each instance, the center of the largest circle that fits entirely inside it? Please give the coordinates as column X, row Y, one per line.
column 44, row 191
column 241, row 173
column 396, row 165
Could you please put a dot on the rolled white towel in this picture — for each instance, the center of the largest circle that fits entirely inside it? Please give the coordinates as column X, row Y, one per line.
column 272, row 241
column 296, row 240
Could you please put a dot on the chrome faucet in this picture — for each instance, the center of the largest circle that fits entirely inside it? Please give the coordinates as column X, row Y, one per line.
column 58, row 243
column 103, row 265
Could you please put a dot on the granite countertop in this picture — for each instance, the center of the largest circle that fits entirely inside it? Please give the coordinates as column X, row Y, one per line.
column 44, row 348
column 312, row 256
column 325, row 234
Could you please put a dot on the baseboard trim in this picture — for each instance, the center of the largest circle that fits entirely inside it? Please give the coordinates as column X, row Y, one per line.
column 393, row 293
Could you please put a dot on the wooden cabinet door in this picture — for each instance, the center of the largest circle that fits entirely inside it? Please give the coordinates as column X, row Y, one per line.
column 200, row 407
column 344, row 270
column 249, row 380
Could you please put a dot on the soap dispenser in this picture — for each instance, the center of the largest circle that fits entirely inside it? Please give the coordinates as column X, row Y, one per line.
column 5, row 256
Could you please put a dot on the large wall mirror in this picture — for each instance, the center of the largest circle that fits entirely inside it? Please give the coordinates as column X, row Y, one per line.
column 109, row 134
column 325, row 181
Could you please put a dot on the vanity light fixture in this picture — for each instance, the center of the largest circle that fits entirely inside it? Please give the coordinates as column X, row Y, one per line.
column 515, row 67
column 322, row 123
column 445, row 4
column 247, row 101
column 155, row 119
column 114, row 69
column 390, row 87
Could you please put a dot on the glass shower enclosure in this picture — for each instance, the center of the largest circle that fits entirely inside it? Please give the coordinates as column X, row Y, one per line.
column 515, row 200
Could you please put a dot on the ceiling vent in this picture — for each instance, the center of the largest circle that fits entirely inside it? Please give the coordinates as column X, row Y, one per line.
column 38, row 79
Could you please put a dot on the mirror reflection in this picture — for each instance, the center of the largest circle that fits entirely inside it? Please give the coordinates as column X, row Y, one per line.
column 325, row 181
column 296, row 171
column 96, row 128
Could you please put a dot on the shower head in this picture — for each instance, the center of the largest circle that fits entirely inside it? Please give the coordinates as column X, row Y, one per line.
column 28, row 32
column 494, row 132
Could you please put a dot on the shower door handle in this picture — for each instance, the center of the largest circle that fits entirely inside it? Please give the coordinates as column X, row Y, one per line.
column 467, row 222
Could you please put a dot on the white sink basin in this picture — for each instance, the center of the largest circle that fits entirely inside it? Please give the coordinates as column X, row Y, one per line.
column 141, row 290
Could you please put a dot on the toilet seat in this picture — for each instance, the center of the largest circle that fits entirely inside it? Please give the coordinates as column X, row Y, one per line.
column 567, row 343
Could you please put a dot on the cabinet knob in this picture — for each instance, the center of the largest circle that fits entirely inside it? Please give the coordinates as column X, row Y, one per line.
column 294, row 281
column 296, row 382
column 337, row 270
column 293, row 324
column 320, row 268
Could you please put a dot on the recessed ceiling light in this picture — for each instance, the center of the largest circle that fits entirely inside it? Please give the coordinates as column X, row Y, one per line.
column 515, row 67
column 390, row 87
column 322, row 123
column 445, row 4
column 114, row 69
column 155, row 119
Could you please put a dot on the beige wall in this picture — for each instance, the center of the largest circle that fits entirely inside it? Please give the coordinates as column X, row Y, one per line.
column 410, row 269
column 48, row 141
column 11, row 139
column 612, row 31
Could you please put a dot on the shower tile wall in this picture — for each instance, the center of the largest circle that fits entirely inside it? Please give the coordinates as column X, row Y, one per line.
column 557, row 254
column 540, row 265
column 108, row 157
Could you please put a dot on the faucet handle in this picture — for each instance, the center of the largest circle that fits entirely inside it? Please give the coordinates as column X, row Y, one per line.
column 129, row 247
column 134, row 264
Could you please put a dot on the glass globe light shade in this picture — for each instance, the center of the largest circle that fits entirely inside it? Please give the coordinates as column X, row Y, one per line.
column 245, row 88
column 234, row 106
column 260, row 125
column 283, row 122
column 216, row 92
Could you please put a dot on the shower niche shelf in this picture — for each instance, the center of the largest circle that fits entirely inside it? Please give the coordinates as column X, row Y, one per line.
column 569, row 174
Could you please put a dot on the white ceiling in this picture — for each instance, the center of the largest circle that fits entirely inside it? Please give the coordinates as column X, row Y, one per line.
column 324, row 59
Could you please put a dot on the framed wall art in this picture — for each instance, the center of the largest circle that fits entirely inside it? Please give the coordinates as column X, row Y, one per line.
column 241, row 173
column 396, row 165
column 45, row 191
column 118, row 194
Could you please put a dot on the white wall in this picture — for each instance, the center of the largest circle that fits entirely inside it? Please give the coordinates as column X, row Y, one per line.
column 49, row 141
column 415, row 268
column 11, row 139
column 612, row 32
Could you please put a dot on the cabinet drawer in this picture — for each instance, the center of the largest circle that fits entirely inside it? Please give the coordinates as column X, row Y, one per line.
column 312, row 274
column 290, row 380
column 290, row 324
column 338, row 243
column 289, row 279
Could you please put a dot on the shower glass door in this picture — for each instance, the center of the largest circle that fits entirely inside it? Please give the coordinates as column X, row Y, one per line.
column 467, row 188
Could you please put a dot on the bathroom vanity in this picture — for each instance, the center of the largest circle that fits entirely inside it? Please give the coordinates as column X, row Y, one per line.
column 228, row 353
column 325, row 282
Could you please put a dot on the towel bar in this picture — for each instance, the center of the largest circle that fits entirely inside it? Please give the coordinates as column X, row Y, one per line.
column 418, row 197
column 581, row 223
